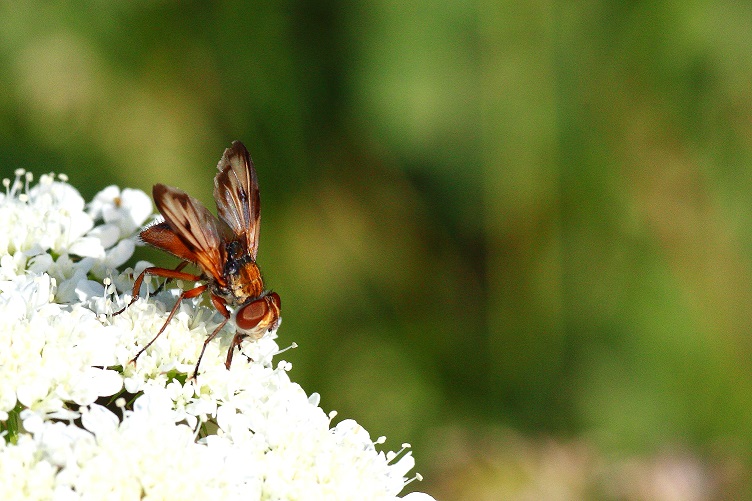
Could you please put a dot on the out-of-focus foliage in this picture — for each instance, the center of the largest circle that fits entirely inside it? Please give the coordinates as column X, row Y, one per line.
column 481, row 216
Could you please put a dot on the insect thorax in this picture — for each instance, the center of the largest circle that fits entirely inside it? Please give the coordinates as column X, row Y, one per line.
column 243, row 279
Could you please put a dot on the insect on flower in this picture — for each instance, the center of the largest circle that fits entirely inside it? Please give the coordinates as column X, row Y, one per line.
column 224, row 249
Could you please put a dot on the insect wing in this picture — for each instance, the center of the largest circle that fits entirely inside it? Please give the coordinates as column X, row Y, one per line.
column 236, row 192
column 161, row 236
column 193, row 225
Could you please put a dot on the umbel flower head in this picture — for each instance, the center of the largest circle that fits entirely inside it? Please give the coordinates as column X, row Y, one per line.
column 78, row 421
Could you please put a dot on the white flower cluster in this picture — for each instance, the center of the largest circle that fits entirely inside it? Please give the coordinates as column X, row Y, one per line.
column 79, row 421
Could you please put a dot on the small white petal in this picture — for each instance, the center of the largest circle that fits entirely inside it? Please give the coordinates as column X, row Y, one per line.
column 101, row 199
column 105, row 382
column 119, row 254
column 78, row 224
column 87, row 247
column 99, row 420
column 138, row 206
column 86, row 289
column 40, row 263
column 32, row 421
column 108, row 234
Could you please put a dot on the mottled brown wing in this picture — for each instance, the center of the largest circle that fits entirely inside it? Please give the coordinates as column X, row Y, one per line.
column 162, row 237
column 236, row 192
column 193, row 225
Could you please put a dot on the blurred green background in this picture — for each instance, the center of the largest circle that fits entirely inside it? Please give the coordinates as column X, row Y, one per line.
column 516, row 235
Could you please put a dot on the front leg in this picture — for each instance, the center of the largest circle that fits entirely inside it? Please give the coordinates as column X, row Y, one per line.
column 235, row 342
column 161, row 286
column 158, row 272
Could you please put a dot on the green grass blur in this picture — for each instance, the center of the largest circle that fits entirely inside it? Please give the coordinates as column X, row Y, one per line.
column 512, row 234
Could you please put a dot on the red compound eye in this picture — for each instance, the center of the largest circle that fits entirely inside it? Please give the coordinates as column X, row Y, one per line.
column 250, row 315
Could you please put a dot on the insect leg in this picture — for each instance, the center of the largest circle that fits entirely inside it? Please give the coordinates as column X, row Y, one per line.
column 157, row 272
column 184, row 295
column 219, row 304
column 161, row 287
column 235, row 342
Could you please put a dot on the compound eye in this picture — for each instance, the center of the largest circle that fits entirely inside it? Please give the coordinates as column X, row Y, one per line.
column 275, row 299
column 250, row 315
